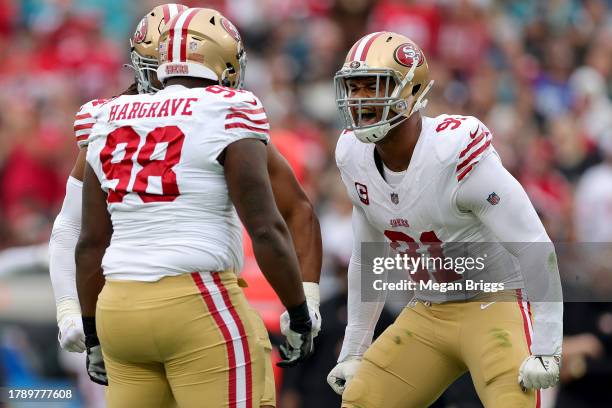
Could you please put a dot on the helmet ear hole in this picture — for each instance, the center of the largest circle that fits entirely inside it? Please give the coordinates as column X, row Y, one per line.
column 415, row 89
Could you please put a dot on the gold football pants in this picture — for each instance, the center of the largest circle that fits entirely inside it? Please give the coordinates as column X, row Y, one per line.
column 187, row 338
column 430, row 345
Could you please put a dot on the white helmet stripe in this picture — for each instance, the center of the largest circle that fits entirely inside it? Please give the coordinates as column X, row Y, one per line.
column 363, row 46
column 173, row 8
column 178, row 34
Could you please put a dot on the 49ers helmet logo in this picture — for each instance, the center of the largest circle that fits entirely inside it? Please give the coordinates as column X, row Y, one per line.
column 230, row 28
column 406, row 53
column 141, row 31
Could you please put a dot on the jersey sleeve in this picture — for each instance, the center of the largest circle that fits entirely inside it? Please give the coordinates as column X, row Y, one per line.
column 85, row 120
column 476, row 144
column 246, row 118
column 346, row 147
column 343, row 148
column 242, row 116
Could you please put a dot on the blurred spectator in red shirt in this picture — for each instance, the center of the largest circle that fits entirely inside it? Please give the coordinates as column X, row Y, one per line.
column 548, row 190
column 418, row 20
column 464, row 37
column 31, row 186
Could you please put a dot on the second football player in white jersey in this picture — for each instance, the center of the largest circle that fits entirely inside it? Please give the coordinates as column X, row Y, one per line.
column 420, row 184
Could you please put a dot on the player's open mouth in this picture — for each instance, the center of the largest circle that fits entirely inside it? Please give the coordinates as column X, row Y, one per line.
column 368, row 116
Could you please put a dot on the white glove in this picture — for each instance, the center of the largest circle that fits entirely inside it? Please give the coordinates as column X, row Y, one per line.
column 342, row 373
column 71, row 336
column 539, row 372
column 311, row 290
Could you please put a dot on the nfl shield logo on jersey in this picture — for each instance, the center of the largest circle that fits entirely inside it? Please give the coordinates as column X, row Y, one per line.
column 394, row 198
column 493, row 198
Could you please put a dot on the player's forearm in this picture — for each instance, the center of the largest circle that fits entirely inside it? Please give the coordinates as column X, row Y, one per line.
column 64, row 236
column 96, row 232
column 276, row 259
column 298, row 212
column 361, row 316
column 538, row 263
column 89, row 276
column 305, row 232
column 249, row 188
column 62, row 269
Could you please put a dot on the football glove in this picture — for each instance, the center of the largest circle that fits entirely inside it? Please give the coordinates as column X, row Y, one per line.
column 71, row 336
column 95, row 361
column 299, row 338
column 539, row 372
column 342, row 373
column 311, row 290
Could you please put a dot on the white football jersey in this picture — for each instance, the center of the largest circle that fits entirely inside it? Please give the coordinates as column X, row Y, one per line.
column 156, row 158
column 419, row 217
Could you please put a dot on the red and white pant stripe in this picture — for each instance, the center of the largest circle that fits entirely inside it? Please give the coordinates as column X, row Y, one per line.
column 220, row 305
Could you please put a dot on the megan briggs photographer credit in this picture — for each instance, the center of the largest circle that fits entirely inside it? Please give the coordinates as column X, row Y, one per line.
column 442, row 287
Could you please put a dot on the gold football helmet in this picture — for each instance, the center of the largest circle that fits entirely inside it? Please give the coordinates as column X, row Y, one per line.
column 202, row 43
column 144, row 45
column 402, row 80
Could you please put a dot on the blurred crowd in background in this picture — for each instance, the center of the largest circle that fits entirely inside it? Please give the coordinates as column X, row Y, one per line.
column 537, row 73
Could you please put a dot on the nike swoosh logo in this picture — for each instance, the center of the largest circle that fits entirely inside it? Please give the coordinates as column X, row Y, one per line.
column 473, row 134
column 253, row 102
column 485, row 305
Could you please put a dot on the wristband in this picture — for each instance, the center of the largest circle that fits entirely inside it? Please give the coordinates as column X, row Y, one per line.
column 299, row 318
column 89, row 328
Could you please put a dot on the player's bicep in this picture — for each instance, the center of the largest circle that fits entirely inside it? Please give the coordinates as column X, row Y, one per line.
column 500, row 202
column 243, row 120
column 96, row 226
column 248, row 183
column 288, row 193
column 78, row 170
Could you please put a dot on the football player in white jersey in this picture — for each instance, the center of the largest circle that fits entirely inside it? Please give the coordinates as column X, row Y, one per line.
column 417, row 184
column 167, row 177
column 291, row 200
